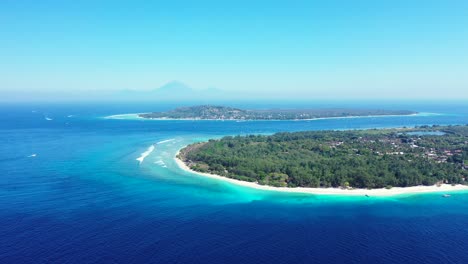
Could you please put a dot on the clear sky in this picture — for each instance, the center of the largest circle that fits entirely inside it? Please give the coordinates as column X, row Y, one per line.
column 317, row 49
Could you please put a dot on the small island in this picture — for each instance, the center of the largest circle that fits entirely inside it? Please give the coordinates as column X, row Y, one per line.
column 210, row 112
column 361, row 159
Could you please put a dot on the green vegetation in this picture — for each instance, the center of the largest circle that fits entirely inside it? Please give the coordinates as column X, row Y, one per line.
column 230, row 113
column 378, row 158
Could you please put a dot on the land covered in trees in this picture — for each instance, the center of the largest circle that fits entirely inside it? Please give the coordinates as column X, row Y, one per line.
column 209, row 112
column 377, row 158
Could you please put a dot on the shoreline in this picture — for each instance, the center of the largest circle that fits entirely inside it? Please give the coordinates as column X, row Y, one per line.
column 131, row 116
column 329, row 191
column 135, row 116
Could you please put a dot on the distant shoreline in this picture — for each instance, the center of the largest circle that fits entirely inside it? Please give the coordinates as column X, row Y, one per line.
column 136, row 116
column 210, row 112
column 383, row 192
column 130, row 116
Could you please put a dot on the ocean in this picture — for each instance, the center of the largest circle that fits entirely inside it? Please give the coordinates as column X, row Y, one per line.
column 73, row 191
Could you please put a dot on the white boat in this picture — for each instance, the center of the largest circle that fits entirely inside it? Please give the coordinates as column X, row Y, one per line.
column 446, row 195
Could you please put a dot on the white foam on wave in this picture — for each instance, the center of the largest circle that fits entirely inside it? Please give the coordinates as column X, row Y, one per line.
column 165, row 141
column 145, row 154
column 48, row 118
column 159, row 162
column 32, row 155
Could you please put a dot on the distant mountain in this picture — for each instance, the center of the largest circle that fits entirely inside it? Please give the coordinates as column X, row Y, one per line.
column 173, row 91
column 174, row 87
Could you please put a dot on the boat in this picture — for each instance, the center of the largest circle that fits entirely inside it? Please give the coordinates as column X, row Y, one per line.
column 446, row 195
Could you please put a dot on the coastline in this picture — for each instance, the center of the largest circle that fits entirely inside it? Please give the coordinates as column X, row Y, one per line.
column 330, row 191
column 132, row 116
column 135, row 116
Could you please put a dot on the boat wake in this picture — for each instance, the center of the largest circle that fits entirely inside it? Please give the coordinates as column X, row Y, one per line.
column 145, row 154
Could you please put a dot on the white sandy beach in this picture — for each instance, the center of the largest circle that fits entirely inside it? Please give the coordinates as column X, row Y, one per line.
column 331, row 191
column 125, row 116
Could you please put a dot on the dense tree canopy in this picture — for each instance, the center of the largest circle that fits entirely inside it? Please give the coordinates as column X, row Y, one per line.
column 359, row 158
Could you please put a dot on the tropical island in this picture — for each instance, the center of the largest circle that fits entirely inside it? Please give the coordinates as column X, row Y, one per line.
column 211, row 112
column 363, row 159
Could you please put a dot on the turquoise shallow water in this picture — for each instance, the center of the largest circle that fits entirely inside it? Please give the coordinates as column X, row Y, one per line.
column 85, row 198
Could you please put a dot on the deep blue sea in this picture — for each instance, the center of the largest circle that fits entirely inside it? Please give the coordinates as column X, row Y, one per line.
column 84, row 198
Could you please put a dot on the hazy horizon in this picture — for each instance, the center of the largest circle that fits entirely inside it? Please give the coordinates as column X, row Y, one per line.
column 244, row 50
